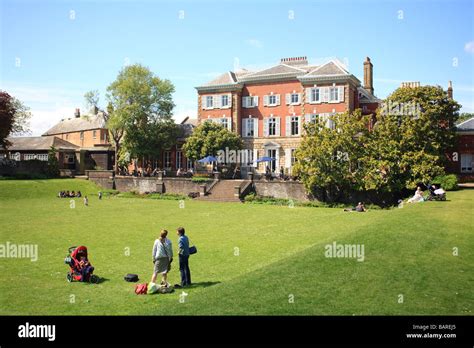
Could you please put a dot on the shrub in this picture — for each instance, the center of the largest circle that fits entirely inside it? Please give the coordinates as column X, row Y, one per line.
column 448, row 182
column 53, row 163
column 199, row 179
column 29, row 176
column 110, row 192
column 166, row 196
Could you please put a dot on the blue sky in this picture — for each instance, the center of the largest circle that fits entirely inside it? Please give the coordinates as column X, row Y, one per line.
column 52, row 52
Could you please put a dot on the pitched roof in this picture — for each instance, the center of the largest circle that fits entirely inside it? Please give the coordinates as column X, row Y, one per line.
column 227, row 78
column 329, row 68
column 39, row 143
column 298, row 69
column 280, row 69
column 366, row 97
column 77, row 124
column 466, row 126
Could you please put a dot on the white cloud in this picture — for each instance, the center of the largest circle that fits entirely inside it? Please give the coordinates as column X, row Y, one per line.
column 48, row 104
column 254, row 43
column 469, row 47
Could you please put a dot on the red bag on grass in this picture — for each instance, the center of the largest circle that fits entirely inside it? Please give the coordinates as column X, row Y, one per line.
column 141, row 289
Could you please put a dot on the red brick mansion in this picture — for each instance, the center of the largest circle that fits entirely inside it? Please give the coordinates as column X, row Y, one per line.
column 268, row 107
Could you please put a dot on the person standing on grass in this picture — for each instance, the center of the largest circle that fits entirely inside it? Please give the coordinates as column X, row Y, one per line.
column 86, row 201
column 183, row 251
column 162, row 257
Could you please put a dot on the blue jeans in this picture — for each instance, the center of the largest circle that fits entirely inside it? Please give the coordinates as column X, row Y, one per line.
column 184, row 270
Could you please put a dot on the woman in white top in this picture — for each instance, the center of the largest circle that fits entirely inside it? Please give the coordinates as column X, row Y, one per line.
column 418, row 197
column 162, row 256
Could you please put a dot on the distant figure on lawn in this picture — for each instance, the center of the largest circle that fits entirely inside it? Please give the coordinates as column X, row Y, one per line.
column 100, row 194
column 86, row 201
column 360, row 208
column 418, row 196
column 162, row 255
column 183, row 251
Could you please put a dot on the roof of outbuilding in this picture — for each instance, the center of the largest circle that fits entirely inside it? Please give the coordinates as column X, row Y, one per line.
column 466, row 126
column 39, row 143
column 77, row 124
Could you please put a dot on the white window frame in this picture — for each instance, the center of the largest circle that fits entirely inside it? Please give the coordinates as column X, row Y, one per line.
column 267, row 100
column 179, row 159
column 466, row 165
column 314, row 95
column 42, row 157
column 209, row 102
column 272, row 124
column 224, row 122
column 226, row 97
column 333, row 94
column 167, row 160
column 295, row 96
column 29, row 156
column 294, row 119
column 249, row 127
column 250, row 102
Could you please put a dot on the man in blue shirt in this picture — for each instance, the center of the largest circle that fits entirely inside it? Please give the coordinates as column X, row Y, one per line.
column 183, row 251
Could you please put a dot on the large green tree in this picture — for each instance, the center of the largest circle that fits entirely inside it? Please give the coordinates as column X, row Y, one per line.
column 208, row 138
column 14, row 117
column 406, row 146
column 141, row 105
column 328, row 158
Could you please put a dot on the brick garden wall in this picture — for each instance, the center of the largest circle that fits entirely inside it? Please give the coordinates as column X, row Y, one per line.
column 281, row 189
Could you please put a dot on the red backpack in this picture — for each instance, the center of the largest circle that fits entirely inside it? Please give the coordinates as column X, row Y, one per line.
column 141, row 289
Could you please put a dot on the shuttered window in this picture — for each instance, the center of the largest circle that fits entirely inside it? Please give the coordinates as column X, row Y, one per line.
column 292, row 126
column 250, row 101
column 272, row 126
column 249, row 127
column 209, row 102
column 293, row 98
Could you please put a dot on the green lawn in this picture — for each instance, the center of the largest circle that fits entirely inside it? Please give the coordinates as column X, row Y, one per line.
column 281, row 256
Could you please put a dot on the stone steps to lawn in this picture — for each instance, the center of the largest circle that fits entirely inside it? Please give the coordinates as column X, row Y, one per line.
column 223, row 191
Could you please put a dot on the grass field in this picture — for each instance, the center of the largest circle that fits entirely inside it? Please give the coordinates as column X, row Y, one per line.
column 252, row 259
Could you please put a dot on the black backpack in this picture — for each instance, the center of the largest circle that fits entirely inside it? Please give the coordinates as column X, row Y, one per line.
column 131, row 278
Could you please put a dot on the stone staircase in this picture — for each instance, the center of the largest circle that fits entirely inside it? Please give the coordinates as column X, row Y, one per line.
column 223, row 191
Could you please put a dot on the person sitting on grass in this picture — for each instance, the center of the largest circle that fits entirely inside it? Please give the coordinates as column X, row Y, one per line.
column 417, row 197
column 79, row 194
column 360, row 208
column 162, row 255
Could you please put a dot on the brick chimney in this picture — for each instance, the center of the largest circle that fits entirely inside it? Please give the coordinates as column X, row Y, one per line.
column 77, row 113
column 368, row 76
column 414, row 84
column 450, row 90
column 294, row 61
